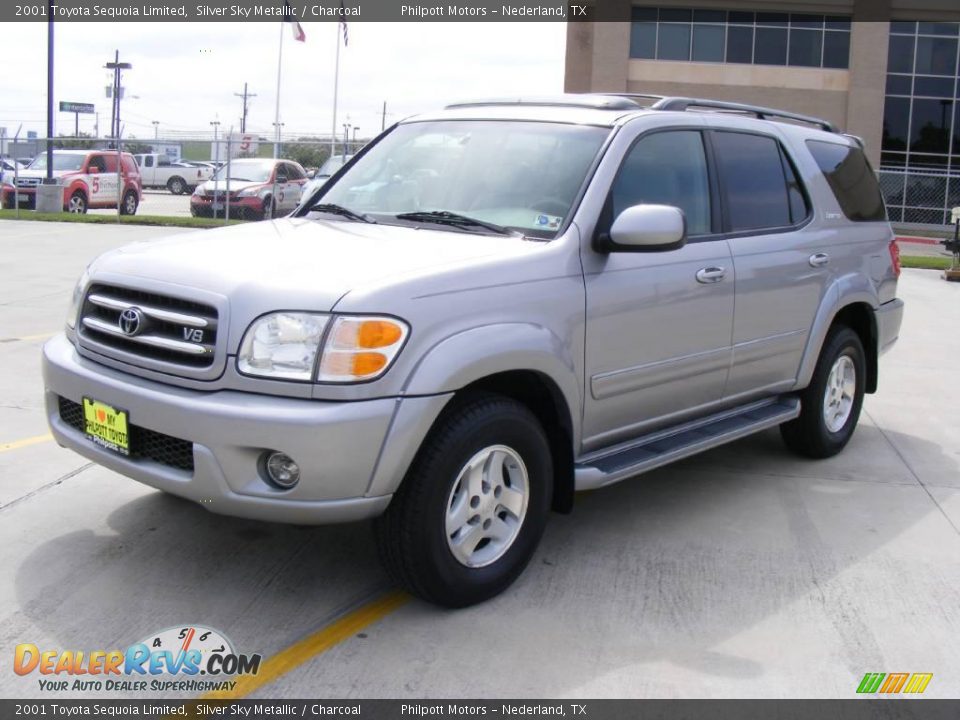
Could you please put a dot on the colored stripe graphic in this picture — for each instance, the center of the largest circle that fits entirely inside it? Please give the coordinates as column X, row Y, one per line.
column 918, row 682
column 895, row 681
column 871, row 682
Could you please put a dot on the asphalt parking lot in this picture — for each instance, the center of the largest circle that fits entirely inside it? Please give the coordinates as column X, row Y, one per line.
column 744, row 572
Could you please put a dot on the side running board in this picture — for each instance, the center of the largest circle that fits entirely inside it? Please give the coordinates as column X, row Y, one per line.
column 610, row 465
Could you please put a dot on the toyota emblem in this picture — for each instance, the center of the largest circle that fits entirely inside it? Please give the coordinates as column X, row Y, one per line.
column 131, row 321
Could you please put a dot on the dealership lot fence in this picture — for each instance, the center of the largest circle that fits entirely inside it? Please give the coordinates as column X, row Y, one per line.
column 921, row 199
column 180, row 164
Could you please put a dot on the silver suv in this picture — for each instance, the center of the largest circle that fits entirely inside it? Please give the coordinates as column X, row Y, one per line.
column 487, row 309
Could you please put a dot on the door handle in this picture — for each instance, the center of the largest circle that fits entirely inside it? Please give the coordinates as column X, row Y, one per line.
column 711, row 274
column 819, row 259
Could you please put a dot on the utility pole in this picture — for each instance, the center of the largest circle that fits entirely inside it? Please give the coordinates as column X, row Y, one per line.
column 156, row 129
column 383, row 117
column 116, row 66
column 243, row 118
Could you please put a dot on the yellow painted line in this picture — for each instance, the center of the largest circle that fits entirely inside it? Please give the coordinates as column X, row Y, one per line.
column 300, row 652
column 26, row 442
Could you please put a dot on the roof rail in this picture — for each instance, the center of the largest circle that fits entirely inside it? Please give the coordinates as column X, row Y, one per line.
column 597, row 101
column 762, row 113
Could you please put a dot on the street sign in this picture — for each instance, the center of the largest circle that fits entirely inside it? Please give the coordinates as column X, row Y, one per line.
column 76, row 107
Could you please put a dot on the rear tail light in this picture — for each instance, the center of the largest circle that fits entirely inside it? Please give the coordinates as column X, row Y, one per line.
column 895, row 257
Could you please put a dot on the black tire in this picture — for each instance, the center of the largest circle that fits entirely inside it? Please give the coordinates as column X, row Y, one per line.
column 177, row 185
column 412, row 537
column 809, row 434
column 269, row 209
column 77, row 203
column 130, row 203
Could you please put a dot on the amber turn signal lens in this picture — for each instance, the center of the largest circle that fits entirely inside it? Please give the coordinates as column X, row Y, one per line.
column 378, row 333
column 368, row 363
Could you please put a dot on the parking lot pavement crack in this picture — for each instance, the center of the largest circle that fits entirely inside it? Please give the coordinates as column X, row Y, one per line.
column 914, row 473
column 44, row 488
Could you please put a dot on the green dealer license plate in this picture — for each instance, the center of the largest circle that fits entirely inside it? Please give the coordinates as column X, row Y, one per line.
column 106, row 426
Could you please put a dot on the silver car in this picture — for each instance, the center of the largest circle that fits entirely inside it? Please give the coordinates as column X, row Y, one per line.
column 494, row 306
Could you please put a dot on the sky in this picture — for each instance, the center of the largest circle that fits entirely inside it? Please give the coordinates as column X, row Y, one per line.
column 185, row 75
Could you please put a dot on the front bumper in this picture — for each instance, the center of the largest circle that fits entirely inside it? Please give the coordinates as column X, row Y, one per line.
column 247, row 207
column 889, row 318
column 338, row 445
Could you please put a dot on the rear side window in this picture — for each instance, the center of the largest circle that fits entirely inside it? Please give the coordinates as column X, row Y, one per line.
column 761, row 188
column 851, row 178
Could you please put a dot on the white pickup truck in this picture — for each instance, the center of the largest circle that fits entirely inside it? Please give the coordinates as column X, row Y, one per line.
column 158, row 171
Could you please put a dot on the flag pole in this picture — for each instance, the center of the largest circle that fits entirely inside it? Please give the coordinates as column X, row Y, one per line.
column 336, row 81
column 276, row 115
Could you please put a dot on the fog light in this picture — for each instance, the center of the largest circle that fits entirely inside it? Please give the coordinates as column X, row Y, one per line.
column 282, row 470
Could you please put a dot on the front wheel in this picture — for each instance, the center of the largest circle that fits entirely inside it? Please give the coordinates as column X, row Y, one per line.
column 77, row 203
column 177, row 185
column 470, row 513
column 830, row 405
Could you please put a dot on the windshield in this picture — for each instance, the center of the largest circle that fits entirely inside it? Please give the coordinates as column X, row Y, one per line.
column 60, row 162
column 519, row 175
column 333, row 164
column 252, row 170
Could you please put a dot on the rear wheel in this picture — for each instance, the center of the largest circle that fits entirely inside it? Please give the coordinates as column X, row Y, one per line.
column 77, row 203
column 830, row 405
column 470, row 513
column 129, row 204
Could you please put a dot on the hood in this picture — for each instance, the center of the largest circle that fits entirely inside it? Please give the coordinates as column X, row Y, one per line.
column 298, row 263
column 210, row 186
column 39, row 173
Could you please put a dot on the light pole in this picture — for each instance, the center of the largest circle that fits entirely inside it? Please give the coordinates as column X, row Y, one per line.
column 346, row 138
column 276, row 133
column 216, row 141
column 354, row 146
column 156, row 129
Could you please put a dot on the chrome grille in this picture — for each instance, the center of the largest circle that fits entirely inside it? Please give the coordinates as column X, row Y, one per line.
column 27, row 182
column 150, row 325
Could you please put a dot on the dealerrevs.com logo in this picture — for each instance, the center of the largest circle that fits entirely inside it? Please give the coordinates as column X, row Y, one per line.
column 894, row 683
column 189, row 658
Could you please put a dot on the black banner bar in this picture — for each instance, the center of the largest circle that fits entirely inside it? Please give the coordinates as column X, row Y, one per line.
column 864, row 709
column 348, row 11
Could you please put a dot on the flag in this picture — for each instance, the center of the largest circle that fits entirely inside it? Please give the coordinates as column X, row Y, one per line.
column 343, row 22
column 288, row 16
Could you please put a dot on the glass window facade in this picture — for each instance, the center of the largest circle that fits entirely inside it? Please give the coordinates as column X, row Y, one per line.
column 758, row 38
column 920, row 160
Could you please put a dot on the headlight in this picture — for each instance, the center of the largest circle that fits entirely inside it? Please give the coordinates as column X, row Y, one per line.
column 249, row 192
column 282, row 345
column 75, row 299
column 285, row 346
column 361, row 348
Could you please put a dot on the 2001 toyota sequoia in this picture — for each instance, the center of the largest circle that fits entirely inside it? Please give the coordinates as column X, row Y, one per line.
column 489, row 308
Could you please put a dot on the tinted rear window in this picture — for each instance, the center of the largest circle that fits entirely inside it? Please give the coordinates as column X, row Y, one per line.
column 851, row 178
column 753, row 175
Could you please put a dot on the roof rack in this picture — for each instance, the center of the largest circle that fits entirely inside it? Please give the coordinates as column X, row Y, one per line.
column 762, row 113
column 594, row 101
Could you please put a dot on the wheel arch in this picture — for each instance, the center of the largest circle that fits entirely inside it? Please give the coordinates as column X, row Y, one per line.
column 856, row 311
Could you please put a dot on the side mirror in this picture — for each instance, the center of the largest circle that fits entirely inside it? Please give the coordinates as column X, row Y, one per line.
column 281, row 178
column 646, row 228
column 93, row 170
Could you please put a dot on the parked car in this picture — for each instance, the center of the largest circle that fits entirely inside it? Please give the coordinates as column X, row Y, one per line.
column 324, row 173
column 89, row 177
column 158, row 171
column 258, row 189
column 496, row 305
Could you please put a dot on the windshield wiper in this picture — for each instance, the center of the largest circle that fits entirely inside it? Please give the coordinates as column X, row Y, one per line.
column 342, row 211
column 445, row 217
